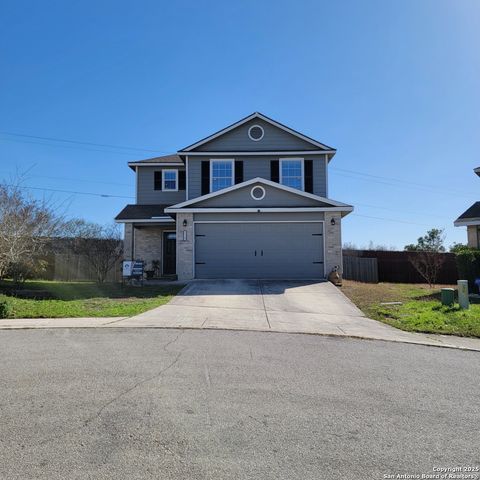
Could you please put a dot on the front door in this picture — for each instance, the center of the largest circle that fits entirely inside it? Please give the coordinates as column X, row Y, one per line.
column 169, row 253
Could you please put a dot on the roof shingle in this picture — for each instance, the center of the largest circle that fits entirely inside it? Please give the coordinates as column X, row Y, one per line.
column 173, row 158
column 472, row 212
column 142, row 212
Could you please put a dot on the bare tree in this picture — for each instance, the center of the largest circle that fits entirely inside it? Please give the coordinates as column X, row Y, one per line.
column 101, row 245
column 427, row 256
column 379, row 247
column 25, row 223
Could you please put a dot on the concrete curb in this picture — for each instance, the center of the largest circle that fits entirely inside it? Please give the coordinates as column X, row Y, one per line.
column 332, row 335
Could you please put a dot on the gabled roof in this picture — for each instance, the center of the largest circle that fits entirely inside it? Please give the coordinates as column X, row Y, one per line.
column 259, row 115
column 332, row 205
column 167, row 160
column 471, row 216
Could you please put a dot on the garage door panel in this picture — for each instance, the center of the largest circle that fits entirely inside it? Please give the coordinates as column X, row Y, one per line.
column 259, row 250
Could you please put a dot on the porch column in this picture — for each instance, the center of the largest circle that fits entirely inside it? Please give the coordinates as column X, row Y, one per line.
column 473, row 236
column 128, row 241
column 185, row 246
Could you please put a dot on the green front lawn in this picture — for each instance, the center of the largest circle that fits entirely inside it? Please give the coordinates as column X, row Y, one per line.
column 420, row 311
column 85, row 299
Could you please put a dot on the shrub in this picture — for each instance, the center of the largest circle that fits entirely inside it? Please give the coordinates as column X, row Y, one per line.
column 468, row 265
column 5, row 309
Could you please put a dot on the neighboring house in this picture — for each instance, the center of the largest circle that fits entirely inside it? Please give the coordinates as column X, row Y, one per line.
column 471, row 219
column 250, row 201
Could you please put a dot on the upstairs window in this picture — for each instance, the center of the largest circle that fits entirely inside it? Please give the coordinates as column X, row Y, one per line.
column 291, row 173
column 170, row 180
column 221, row 174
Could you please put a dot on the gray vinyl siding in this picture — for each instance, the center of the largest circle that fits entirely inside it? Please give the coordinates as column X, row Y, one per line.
column 257, row 166
column 194, row 176
column 147, row 195
column 273, row 198
column 237, row 140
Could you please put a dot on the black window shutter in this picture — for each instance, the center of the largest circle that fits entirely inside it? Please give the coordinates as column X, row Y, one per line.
column 182, row 183
column 308, row 166
column 205, row 177
column 157, row 180
column 275, row 171
column 238, row 171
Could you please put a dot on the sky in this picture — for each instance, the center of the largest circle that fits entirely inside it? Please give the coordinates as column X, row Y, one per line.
column 393, row 85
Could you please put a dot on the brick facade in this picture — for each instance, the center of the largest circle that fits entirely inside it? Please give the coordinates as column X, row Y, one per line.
column 147, row 243
column 185, row 244
column 333, row 242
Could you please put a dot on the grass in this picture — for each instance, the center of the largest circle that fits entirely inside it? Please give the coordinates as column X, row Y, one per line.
column 84, row 299
column 420, row 311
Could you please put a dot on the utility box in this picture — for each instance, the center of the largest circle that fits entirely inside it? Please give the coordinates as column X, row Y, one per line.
column 448, row 296
column 463, row 299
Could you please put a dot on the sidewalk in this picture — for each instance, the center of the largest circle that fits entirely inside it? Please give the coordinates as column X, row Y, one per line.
column 322, row 325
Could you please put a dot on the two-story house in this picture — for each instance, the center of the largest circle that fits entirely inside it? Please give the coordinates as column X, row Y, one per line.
column 470, row 218
column 250, row 201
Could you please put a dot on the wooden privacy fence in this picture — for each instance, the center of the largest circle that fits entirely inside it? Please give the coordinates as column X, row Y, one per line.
column 70, row 268
column 360, row 269
column 395, row 266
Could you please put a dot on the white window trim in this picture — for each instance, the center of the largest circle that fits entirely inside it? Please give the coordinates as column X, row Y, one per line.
column 213, row 160
column 250, row 135
column 163, row 180
column 302, row 160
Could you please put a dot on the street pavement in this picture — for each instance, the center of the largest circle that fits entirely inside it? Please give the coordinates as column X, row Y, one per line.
column 141, row 403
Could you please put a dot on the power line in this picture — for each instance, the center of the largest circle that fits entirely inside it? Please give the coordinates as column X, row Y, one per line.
column 143, row 149
column 67, row 146
column 122, row 196
column 346, row 173
column 70, row 179
column 78, row 142
column 399, row 211
column 103, row 195
column 378, row 178
column 397, row 182
column 390, row 220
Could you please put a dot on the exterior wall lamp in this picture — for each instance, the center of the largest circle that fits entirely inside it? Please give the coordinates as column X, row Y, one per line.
column 185, row 222
column 332, row 222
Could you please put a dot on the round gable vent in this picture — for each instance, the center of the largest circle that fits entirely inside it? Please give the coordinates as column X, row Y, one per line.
column 255, row 132
column 257, row 192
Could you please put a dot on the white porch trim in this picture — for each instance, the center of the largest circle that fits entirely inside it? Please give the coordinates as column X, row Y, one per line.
column 466, row 222
column 147, row 220
column 259, row 210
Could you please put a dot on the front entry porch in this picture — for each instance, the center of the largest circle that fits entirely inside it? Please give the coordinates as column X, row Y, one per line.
column 155, row 245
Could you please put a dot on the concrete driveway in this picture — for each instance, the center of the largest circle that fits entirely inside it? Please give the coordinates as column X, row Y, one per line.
column 277, row 306
column 254, row 305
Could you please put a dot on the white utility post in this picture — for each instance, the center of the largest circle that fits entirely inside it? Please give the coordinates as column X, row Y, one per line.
column 463, row 299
